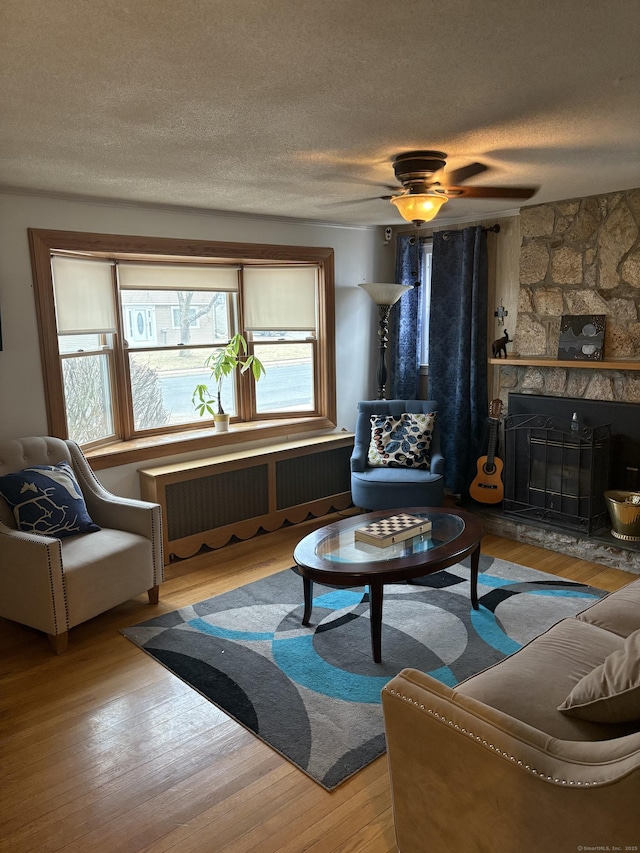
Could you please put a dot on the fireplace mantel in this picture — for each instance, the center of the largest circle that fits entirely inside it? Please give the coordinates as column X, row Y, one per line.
column 548, row 361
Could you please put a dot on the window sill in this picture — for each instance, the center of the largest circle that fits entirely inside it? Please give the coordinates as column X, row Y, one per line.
column 171, row 444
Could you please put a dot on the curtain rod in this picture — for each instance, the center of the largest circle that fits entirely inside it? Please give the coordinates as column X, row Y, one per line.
column 495, row 228
column 446, row 234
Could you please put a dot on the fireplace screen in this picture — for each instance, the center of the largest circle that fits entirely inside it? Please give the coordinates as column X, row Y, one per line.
column 554, row 475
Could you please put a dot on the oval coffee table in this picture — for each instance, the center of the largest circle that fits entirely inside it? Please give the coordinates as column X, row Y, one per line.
column 331, row 555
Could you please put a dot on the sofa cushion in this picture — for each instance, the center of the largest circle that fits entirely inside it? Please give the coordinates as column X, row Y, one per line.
column 47, row 500
column 402, row 442
column 530, row 684
column 618, row 612
column 611, row 692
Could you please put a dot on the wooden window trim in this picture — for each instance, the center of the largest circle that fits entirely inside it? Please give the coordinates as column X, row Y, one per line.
column 42, row 242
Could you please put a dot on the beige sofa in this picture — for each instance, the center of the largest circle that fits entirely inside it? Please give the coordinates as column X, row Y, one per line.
column 492, row 765
column 53, row 584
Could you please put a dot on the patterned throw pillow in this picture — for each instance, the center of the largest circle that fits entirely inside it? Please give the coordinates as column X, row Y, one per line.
column 46, row 499
column 403, row 442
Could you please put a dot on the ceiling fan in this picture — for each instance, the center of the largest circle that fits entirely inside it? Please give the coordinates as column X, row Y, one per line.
column 427, row 184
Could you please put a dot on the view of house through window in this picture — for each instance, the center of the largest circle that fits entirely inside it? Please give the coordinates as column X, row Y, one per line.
column 425, row 299
column 132, row 336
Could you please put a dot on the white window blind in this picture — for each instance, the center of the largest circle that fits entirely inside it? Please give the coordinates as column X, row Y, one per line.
column 280, row 299
column 177, row 277
column 84, row 296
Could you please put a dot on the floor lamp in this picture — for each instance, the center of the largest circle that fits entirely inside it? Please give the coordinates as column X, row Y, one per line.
column 384, row 295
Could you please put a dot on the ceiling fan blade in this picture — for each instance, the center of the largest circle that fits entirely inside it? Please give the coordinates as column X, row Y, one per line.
column 354, row 201
column 487, row 192
column 459, row 176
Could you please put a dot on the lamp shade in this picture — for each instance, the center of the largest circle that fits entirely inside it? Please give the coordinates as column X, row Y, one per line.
column 385, row 294
column 418, row 207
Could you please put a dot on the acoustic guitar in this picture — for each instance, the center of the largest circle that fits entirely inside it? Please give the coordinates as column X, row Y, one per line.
column 487, row 487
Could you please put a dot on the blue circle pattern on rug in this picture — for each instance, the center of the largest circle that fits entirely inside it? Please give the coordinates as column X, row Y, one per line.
column 299, row 660
column 248, row 653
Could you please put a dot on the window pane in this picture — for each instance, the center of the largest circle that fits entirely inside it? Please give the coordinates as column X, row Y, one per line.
column 169, row 317
column 425, row 300
column 84, row 343
column 288, row 383
column 162, row 385
column 288, row 335
column 88, row 399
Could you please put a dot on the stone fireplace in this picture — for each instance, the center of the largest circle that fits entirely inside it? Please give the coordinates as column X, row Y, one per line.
column 580, row 256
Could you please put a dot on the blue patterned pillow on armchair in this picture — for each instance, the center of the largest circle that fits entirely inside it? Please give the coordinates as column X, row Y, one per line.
column 46, row 499
column 402, row 442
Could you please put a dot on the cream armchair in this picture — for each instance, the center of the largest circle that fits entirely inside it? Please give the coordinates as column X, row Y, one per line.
column 52, row 584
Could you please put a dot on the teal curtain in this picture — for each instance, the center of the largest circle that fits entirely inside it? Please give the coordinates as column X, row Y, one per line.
column 405, row 327
column 458, row 349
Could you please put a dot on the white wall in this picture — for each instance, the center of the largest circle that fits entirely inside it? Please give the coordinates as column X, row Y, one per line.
column 360, row 255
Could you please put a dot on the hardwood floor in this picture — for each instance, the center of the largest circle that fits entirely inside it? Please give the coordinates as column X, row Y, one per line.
column 104, row 750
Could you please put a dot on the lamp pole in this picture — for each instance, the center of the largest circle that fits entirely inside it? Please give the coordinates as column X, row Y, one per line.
column 383, row 335
column 385, row 296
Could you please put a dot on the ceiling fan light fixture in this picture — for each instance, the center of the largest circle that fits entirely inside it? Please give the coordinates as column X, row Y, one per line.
column 418, row 207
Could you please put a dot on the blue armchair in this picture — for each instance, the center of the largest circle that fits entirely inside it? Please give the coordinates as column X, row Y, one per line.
column 374, row 488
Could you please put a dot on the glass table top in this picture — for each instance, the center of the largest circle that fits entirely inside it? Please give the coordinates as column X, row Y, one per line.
column 342, row 547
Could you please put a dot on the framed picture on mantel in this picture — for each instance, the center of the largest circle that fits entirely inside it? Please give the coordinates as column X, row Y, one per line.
column 581, row 337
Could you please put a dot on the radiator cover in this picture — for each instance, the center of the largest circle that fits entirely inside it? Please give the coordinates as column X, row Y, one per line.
column 209, row 501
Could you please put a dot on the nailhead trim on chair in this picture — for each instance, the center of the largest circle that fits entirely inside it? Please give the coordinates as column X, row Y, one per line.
column 490, row 746
column 157, row 571
column 53, row 599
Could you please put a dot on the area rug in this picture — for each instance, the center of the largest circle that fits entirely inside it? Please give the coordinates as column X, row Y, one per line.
column 313, row 693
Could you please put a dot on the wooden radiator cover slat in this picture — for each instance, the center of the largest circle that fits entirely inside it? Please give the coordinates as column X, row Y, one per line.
column 207, row 501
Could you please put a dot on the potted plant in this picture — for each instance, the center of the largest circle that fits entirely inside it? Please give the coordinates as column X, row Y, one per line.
column 222, row 363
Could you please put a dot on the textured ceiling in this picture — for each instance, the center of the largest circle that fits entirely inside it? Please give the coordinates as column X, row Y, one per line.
column 295, row 109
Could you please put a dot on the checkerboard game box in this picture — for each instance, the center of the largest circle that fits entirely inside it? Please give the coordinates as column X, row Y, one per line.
column 388, row 531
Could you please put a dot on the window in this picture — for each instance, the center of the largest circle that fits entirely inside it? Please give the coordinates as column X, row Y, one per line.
column 425, row 299
column 191, row 317
column 127, row 323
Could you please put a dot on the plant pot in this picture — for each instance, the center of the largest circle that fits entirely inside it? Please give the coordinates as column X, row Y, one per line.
column 221, row 423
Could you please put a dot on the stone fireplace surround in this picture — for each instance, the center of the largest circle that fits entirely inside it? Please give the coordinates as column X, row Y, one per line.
column 601, row 547
column 580, row 256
